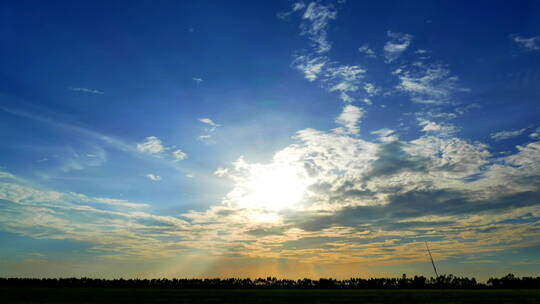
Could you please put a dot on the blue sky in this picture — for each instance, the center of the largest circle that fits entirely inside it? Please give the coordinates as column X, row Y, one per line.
column 269, row 138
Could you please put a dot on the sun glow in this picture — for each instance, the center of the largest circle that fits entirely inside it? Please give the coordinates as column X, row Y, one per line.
column 274, row 187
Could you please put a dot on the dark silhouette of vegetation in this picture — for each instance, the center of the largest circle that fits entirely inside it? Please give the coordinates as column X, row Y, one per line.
column 417, row 282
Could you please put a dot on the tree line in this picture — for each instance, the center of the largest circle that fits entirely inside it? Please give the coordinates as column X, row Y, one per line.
column 417, row 282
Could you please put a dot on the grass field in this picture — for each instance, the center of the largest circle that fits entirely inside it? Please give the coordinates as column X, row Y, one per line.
column 113, row 295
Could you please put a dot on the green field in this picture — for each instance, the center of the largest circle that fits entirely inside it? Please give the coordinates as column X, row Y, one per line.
column 119, row 295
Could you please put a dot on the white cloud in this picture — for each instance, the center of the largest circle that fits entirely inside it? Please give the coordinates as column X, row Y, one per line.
column 535, row 134
column 344, row 79
column 310, row 66
column 383, row 132
column 179, row 155
column 105, row 224
column 87, row 90
column 316, row 26
column 386, row 135
column 428, row 84
column 296, row 7
column 368, row 52
column 153, row 177
column 151, row 145
column 433, row 127
column 371, row 89
column 73, row 159
column 362, row 195
column 345, row 73
column 197, row 80
column 530, row 44
column 349, row 118
column 398, row 43
column 367, row 101
column 209, row 122
column 467, row 108
column 207, row 138
column 506, row 134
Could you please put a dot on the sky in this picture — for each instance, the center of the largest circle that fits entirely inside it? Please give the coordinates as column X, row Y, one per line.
column 269, row 138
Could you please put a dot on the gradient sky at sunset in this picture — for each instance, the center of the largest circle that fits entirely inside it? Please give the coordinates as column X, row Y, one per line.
column 269, row 138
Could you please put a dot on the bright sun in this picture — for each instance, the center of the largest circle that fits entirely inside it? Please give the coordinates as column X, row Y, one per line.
column 274, row 187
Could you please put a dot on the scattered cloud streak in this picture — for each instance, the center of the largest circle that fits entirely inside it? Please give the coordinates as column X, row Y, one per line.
column 437, row 128
column 197, row 80
column 311, row 66
column 151, row 145
column 211, row 126
column 315, row 26
column 153, row 177
column 367, row 51
column 335, row 77
column 502, row 135
column 349, row 119
column 535, row 134
column 87, row 90
column 154, row 146
column 398, row 43
column 386, row 135
column 529, row 44
column 179, row 155
column 428, row 83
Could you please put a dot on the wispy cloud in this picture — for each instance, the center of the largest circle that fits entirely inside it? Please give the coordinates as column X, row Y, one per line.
column 502, row 135
column 386, row 135
column 349, row 119
column 367, row 51
column 197, row 80
column 95, row 153
column 535, row 134
column 211, row 127
column 207, row 139
column 428, row 83
column 209, row 122
column 179, row 155
column 371, row 89
column 530, row 44
column 75, row 159
column 153, row 177
column 342, row 78
column 86, row 90
column 437, row 128
column 315, row 27
column 151, row 145
column 311, row 66
column 72, row 128
column 398, row 43
column 295, row 7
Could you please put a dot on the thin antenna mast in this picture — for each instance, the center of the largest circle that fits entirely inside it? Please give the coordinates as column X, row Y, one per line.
column 431, row 258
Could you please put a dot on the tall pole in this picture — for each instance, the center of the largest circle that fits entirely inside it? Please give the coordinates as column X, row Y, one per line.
column 431, row 258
